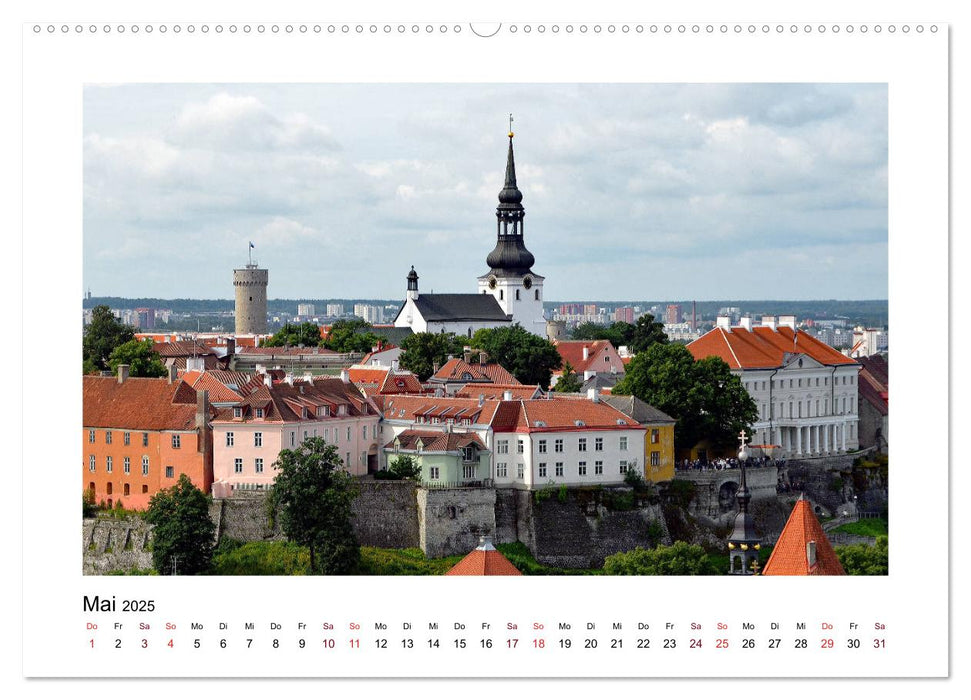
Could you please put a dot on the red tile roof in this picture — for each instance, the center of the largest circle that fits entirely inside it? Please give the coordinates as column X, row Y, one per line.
column 218, row 391
column 572, row 351
column 789, row 556
column 559, row 413
column 382, row 380
column 410, row 407
column 763, row 347
column 139, row 403
column 484, row 560
column 456, row 369
column 497, row 391
column 284, row 403
column 183, row 348
column 436, row 441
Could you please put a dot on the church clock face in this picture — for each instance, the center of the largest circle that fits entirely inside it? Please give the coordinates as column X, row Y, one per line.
column 492, row 283
column 527, row 282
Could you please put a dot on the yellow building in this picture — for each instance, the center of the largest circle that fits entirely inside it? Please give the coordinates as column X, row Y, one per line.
column 659, row 438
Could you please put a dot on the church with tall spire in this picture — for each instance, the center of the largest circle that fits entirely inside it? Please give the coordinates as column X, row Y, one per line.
column 508, row 293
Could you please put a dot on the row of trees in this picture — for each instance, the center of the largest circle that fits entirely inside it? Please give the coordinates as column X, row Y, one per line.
column 638, row 336
column 355, row 335
column 529, row 358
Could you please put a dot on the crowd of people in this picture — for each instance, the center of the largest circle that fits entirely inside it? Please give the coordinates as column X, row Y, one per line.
column 724, row 463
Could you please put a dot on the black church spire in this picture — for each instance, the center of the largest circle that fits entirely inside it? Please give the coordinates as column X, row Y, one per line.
column 510, row 256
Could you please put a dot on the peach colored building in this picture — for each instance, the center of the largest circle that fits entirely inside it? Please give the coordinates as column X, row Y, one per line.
column 248, row 437
column 139, row 435
column 589, row 357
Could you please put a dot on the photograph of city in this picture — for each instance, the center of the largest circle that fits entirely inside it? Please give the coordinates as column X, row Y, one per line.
column 321, row 336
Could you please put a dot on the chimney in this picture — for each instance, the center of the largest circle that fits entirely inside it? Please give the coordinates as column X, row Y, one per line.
column 746, row 322
column 811, row 553
column 345, row 376
column 230, row 347
column 507, row 395
column 268, row 379
column 723, row 322
column 586, row 353
column 593, row 395
column 308, row 377
column 467, row 356
column 435, row 367
column 202, row 408
column 483, row 357
column 195, row 364
column 123, row 374
column 788, row 321
column 768, row 322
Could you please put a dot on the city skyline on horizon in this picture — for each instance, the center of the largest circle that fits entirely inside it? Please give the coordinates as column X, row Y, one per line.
column 707, row 192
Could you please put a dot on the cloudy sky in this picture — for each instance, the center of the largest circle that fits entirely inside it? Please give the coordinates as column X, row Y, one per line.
column 632, row 192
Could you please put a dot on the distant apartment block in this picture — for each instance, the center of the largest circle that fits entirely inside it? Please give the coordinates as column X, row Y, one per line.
column 625, row 314
column 673, row 314
column 305, row 310
column 371, row 314
column 335, row 310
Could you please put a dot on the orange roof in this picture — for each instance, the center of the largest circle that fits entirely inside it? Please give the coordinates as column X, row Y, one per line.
column 790, row 556
column 138, row 403
column 497, row 391
column 410, row 407
column 456, row 369
column 763, row 347
column 383, row 380
column 436, row 441
column 484, row 560
column 572, row 351
column 218, row 391
column 559, row 413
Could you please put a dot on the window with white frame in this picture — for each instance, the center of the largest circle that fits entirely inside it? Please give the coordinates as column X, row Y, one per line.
column 259, row 413
column 655, row 459
column 519, row 471
column 144, row 465
column 144, row 439
column 598, row 444
column 501, row 470
column 582, row 468
column 623, row 466
column 293, row 438
column 169, row 473
column 127, row 465
column 559, row 468
column 502, row 447
column 520, row 446
column 468, row 453
column 176, row 442
column 107, row 437
column 90, row 436
column 109, row 464
column 230, row 439
column 237, row 412
column 257, row 439
column 364, row 433
column 238, row 465
column 433, row 473
column 558, row 445
column 92, row 461
column 541, row 447
column 259, row 465
column 127, row 438
column 598, row 467
column 542, row 470
column 348, row 433
column 623, row 444
column 582, row 444
column 655, row 436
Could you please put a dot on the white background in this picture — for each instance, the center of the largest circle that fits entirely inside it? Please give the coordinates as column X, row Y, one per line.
column 915, row 595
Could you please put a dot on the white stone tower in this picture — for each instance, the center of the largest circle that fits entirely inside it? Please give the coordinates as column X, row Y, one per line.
column 250, row 283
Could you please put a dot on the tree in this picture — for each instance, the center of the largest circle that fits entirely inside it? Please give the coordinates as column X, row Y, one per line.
column 618, row 333
column 305, row 335
column 406, row 467
column 529, row 358
column 351, row 336
column 865, row 560
column 569, row 382
column 420, row 352
column 644, row 333
column 184, row 536
column 706, row 399
column 101, row 337
column 678, row 559
column 141, row 358
column 313, row 495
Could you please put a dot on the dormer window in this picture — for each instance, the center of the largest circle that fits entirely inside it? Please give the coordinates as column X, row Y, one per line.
column 259, row 413
column 420, row 446
column 342, row 410
column 303, row 413
column 468, row 454
column 237, row 412
column 466, row 376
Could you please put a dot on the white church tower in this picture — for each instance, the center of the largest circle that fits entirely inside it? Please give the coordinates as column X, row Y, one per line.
column 510, row 278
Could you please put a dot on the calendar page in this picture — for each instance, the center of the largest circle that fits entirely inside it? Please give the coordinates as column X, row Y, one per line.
column 345, row 412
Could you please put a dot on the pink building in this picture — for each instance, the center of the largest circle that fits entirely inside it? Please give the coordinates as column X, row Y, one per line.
column 248, row 437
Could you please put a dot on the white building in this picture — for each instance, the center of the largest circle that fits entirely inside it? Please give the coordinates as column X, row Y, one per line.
column 805, row 391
